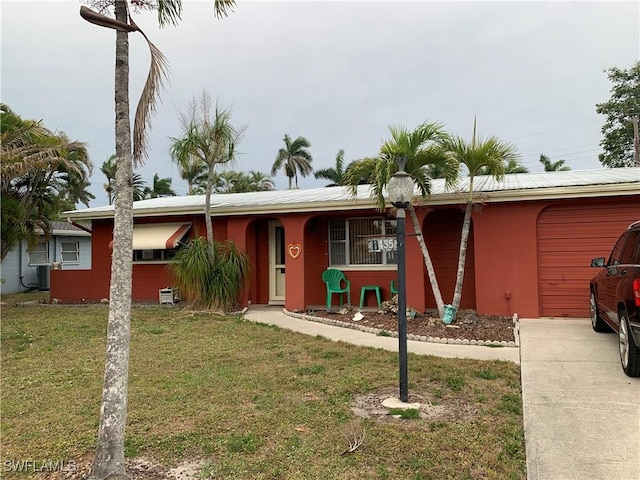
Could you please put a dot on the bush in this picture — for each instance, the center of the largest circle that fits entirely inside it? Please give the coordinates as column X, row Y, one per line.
column 210, row 275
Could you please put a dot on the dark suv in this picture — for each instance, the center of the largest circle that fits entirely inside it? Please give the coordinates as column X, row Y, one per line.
column 615, row 297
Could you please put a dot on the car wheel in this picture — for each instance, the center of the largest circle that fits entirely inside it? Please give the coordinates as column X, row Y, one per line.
column 597, row 323
column 629, row 351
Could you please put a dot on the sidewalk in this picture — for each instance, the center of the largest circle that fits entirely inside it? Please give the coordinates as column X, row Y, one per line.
column 274, row 316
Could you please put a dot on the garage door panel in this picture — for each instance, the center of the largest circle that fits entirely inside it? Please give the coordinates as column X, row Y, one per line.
column 569, row 236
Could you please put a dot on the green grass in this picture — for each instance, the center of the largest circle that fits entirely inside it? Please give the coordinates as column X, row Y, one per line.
column 252, row 401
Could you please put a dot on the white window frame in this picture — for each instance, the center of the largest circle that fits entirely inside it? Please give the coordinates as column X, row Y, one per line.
column 75, row 252
column 41, row 249
column 357, row 266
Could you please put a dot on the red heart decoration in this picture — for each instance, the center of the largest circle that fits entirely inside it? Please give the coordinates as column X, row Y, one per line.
column 295, row 249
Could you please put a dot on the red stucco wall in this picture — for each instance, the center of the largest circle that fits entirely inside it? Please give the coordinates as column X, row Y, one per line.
column 506, row 259
column 502, row 262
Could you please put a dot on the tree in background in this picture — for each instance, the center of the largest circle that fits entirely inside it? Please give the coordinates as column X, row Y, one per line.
column 336, row 173
column 138, row 185
column 420, row 148
column 549, row 166
column 161, row 188
column 491, row 154
column 620, row 110
column 259, row 182
column 109, row 459
column 193, row 171
column 231, row 181
column 210, row 139
column 41, row 175
column 294, row 158
column 108, row 169
column 513, row 166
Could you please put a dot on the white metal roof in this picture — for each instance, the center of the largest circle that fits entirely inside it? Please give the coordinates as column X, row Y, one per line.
column 513, row 187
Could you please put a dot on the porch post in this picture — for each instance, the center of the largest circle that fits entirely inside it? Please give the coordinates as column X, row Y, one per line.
column 294, row 252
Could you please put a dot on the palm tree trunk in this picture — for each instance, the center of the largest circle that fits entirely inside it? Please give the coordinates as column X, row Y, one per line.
column 462, row 255
column 427, row 261
column 109, row 458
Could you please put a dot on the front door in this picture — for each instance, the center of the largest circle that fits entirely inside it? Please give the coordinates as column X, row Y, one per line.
column 276, row 263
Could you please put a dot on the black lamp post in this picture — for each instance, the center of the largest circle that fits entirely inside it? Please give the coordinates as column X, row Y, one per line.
column 400, row 190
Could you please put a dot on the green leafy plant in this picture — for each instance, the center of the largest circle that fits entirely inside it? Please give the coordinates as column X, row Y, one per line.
column 210, row 275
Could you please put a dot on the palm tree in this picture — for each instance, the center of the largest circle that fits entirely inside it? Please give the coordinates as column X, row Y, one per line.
column 259, row 182
column 137, row 183
column 41, row 174
column 109, row 458
column 335, row 174
column 193, row 171
column 550, row 166
column 420, row 148
column 211, row 140
column 513, row 166
column 109, row 170
column 161, row 188
column 227, row 181
column 294, row 158
column 491, row 154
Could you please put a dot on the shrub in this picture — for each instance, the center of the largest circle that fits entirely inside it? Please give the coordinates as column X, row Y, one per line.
column 210, row 275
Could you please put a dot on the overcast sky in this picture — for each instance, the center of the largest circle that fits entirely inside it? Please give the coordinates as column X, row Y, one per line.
column 338, row 73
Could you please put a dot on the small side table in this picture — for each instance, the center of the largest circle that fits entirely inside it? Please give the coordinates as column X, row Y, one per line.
column 368, row 288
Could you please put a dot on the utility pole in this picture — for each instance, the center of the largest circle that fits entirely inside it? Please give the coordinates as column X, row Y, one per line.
column 636, row 140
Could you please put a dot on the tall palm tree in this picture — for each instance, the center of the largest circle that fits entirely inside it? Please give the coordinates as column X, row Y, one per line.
column 335, row 174
column 491, row 154
column 161, row 188
column 212, row 140
column 109, row 458
column 294, row 158
column 557, row 166
column 420, row 148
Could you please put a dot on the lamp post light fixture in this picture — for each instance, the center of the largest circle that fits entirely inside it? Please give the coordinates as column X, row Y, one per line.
column 400, row 190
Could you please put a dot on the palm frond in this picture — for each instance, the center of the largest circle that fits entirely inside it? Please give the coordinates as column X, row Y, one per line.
column 158, row 72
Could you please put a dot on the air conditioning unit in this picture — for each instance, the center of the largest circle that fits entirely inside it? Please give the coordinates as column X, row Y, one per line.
column 169, row 295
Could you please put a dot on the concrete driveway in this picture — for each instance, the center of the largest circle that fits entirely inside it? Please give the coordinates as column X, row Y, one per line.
column 581, row 412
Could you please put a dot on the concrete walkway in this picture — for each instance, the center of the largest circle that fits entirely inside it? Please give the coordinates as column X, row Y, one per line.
column 581, row 412
column 274, row 316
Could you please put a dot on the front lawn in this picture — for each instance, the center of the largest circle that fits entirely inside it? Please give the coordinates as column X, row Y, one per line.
column 250, row 401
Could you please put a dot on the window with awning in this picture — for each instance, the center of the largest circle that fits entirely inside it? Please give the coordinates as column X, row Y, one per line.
column 157, row 241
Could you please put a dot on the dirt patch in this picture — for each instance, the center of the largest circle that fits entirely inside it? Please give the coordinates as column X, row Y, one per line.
column 468, row 325
column 136, row 468
column 370, row 406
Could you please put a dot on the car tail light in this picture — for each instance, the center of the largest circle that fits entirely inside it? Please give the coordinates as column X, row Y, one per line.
column 636, row 291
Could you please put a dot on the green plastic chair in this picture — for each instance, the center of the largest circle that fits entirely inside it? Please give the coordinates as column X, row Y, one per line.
column 393, row 287
column 334, row 278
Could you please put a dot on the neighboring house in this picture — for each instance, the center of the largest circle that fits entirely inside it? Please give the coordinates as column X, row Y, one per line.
column 529, row 249
column 24, row 269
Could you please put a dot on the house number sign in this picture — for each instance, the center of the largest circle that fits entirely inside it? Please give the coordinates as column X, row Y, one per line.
column 383, row 244
column 294, row 249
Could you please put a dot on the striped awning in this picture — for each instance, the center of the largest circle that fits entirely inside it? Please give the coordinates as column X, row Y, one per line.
column 158, row 236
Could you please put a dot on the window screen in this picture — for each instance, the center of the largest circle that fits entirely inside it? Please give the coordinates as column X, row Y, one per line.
column 355, row 241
